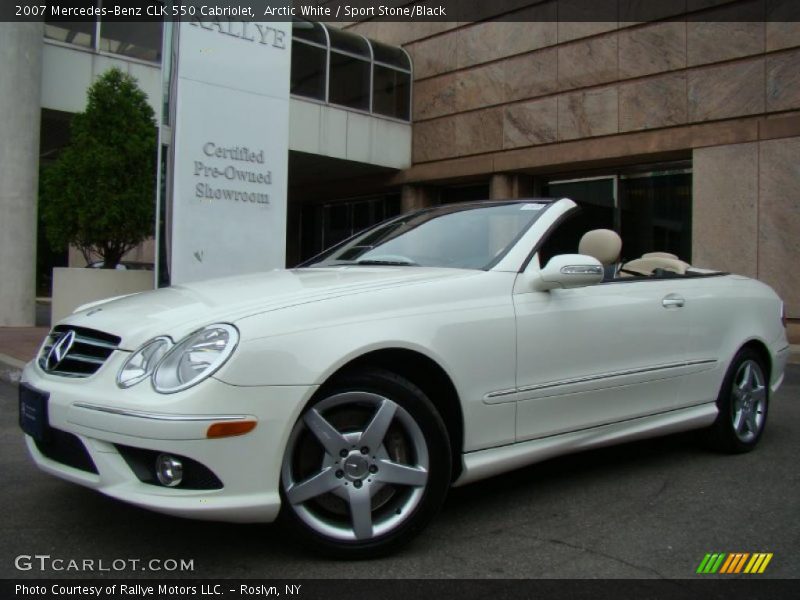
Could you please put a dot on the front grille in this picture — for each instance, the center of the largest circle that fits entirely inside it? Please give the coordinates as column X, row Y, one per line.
column 81, row 356
column 67, row 449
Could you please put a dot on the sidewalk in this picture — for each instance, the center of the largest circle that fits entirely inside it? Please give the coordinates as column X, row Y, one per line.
column 18, row 345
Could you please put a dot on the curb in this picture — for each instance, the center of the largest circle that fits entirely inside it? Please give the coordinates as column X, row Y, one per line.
column 10, row 369
column 794, row 354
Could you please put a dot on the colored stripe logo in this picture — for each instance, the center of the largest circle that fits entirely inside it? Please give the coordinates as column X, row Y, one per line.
column 732, row 563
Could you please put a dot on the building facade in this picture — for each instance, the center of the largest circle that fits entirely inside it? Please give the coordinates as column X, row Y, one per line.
column 681, row 133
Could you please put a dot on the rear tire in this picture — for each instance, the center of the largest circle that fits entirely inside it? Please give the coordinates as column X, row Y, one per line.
column 366, row 468
column 743, row 402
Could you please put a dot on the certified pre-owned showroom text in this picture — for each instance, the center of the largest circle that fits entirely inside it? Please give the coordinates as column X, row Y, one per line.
column 46, row 562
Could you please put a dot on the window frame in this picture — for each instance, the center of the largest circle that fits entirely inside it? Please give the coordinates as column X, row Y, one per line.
column 372, row 64
column 95, row 47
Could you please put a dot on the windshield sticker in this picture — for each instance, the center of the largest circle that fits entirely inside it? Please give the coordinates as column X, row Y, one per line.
column 531, row 206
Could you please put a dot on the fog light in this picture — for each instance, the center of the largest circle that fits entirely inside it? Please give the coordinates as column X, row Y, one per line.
column 169, row 470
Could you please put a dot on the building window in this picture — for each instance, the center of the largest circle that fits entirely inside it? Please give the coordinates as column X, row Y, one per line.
column 342, row 68
column 139, row 40
column 128, row 38
column 350, row 62
column 325, row 225
column 391, row 82
column 71, row 32
column 391, row 93
column 349, row 82
column 308, row 70
column 309, row 60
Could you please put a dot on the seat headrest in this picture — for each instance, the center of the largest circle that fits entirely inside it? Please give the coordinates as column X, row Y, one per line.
column 603, row 244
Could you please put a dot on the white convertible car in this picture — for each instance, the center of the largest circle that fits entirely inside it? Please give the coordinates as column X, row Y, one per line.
column 445, row 346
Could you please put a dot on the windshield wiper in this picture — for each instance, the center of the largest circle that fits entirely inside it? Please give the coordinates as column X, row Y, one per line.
column 392, row 262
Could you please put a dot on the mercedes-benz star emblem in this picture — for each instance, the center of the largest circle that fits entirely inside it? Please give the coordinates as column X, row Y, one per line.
column 60, row 350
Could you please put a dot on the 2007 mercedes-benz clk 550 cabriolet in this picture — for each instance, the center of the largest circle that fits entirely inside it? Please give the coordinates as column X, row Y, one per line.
column 448, row 345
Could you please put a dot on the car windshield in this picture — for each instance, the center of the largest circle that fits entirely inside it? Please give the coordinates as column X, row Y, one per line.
column 456, row 236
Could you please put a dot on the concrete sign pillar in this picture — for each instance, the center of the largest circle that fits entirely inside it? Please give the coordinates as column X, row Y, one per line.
column 20, row 115
column 230, row 148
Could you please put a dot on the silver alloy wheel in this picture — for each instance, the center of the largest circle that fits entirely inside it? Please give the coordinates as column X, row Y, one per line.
column 748, row 401
column 357, row 467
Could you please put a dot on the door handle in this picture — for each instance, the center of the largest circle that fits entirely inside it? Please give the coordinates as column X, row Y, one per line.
column 673, row 301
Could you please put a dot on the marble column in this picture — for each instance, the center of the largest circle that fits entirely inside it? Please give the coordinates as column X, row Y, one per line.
column 414, row 197
column 505, row 186
column 20, row 107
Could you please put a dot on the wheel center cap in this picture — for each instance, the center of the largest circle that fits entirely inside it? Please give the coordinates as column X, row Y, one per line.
column 356, row 467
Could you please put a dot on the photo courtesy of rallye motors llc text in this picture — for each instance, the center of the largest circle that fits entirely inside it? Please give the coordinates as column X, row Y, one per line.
column 162, row 589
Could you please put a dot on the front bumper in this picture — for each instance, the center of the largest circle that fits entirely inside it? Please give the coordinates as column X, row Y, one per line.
column 104, row 417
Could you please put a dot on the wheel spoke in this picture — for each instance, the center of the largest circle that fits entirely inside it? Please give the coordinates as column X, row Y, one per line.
column 747, row 378
column 759, row 394
column 373, row 435
column 321, row 483
column 750, row 419
column 328, row 436
column 738, row 421
column 396, row 473
column 737, row 398
column 360, row 503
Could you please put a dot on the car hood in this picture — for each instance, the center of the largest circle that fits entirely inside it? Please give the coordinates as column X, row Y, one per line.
column 180, row 309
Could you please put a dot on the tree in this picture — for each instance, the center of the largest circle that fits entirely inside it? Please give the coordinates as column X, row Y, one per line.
column 99, row 194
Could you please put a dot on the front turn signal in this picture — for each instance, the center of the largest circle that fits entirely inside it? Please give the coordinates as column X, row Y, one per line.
column 230, row 428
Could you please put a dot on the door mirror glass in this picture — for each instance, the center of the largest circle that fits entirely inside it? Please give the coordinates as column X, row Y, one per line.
column 569, row 271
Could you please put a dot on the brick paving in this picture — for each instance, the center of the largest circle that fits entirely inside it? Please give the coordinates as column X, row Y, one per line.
column 21, row 343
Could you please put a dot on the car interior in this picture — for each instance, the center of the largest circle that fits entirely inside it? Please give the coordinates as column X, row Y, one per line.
column 606, row 246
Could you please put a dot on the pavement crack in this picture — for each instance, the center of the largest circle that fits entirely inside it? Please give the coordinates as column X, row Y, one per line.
column 604, row 555
column 658, row 492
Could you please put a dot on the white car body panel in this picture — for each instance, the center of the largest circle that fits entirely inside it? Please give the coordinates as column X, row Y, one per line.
column 602, row 381
column 536, row 373
column 495, row 461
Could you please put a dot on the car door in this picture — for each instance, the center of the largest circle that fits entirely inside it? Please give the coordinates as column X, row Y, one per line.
column 598, row 354
column 714, row 307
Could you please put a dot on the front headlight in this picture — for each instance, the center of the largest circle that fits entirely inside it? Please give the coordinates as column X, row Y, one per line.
column 195, row 357
column 142, row 363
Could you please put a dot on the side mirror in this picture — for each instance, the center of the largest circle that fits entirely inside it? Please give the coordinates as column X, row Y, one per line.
column 569, row 271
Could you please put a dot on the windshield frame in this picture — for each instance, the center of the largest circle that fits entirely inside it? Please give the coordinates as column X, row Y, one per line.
column 312, row 263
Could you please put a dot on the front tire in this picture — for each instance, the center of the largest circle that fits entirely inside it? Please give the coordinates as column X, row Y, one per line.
column 743, row 403
column 366, row 467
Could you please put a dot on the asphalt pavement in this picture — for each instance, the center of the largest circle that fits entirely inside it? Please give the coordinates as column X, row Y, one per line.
column 648, row 509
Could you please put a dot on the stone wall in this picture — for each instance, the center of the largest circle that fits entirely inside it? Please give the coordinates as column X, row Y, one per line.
column 494, row 87
column 746, row 213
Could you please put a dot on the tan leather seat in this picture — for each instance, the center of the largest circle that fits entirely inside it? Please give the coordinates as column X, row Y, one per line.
column 660, row 255
column 603, row 244
column 646, row 266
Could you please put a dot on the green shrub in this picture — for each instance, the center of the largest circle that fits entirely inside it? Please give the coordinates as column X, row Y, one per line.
column 99, row 195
